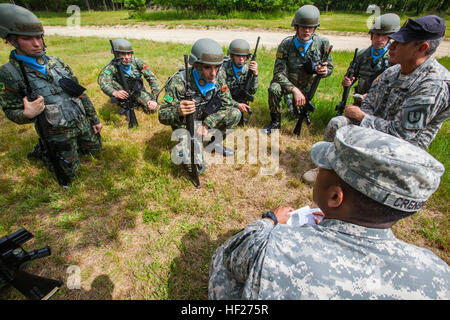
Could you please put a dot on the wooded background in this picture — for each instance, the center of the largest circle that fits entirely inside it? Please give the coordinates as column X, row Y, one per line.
column 223, row 6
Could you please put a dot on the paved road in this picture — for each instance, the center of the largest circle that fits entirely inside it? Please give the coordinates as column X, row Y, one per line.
column 269, row 39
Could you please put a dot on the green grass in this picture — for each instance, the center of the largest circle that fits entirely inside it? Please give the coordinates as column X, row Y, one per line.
column 330, row 21
column 132, row 221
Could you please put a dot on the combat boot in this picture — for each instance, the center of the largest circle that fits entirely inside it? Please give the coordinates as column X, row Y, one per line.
column 274, row 124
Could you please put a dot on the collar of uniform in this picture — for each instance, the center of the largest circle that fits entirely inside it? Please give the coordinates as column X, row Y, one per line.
column 413, row 77
column 357, row 230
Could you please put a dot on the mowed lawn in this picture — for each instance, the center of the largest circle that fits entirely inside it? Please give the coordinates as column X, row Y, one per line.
column 132, row 223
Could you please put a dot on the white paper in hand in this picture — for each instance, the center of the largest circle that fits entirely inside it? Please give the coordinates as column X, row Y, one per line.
column 303, row 216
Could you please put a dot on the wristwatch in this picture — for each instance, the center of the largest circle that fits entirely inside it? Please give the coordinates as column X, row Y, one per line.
column 271, row 215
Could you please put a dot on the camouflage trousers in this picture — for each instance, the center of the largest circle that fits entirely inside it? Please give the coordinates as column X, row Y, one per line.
column 276, row 94
column 334, row 124
column 228, row 121
column 75, row 141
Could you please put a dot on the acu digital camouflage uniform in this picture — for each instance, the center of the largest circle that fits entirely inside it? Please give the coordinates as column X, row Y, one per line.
column 70, row 118
column 233, row 82
column 412, row 107
column 109, row 81
column 289, row 69
column 338, row 259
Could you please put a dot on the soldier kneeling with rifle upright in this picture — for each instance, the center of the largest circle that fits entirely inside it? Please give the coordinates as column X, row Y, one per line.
column 40, row 89
column 131, row 69
column 210, row 100
column 241, row 79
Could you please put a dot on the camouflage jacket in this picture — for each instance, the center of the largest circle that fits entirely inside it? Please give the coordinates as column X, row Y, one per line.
column 289, row 69
column 332, row 260
column 175, row 91
column 233, row 82
column 367, row 70
column 412, row 107
column 75, row 110
column 109, row 80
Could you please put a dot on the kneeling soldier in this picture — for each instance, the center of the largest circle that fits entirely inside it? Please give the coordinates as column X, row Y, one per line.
column 40, row 89
column 212, row 103
column 237, row 73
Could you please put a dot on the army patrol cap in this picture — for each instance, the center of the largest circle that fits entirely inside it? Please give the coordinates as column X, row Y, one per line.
column 16, row 20
column 421, row 29
column 239, row 47
column 386, row 23
column 307, row 16
column 207, row 51
column 387, row 169
column 122, row 45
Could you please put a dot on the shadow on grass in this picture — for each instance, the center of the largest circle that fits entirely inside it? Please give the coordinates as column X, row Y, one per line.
column 189, row 272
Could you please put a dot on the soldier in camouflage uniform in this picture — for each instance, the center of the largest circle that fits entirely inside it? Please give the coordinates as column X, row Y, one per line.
column 236, row 71
column 297, row 63
column 134, row 68
column 73, row 121
column 368, row 180
column 210, row 92
column 410, row 100
column 372, row 61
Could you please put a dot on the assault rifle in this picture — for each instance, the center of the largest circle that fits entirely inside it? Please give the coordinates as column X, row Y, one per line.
column 126, row 104
column 241, row 92
column 351, row 72
column 309, row 106
column 13, row 259
column 190, row 118
column 50, row 151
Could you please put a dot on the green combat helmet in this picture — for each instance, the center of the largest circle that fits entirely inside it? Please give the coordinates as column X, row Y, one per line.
column 206, row 51
column 122, row 45
column 239, row 47
column 307, row 16
column 386, row 24
column 18, row 21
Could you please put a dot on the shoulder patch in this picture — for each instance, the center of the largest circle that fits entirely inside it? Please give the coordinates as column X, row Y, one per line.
column 279, row 55
column 168, row 99
column 224, row 88
column 107, row 72
column 2, row 86
column 144, row 67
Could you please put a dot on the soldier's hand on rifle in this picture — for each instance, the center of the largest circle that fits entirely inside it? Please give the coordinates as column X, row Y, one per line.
column 347, row 82
column 97, row 128
column 34, row 108
column 243, row 107
column 120, row 94
column 299, row 97
column 186, row 107
column 152, row 105
column 253, row 65
column 322, row 69
column 354, row 112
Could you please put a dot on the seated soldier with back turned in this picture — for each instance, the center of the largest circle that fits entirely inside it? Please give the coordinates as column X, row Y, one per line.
column 367, row 181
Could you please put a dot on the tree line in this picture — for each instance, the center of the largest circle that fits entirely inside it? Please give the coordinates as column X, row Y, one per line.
column 224, row 6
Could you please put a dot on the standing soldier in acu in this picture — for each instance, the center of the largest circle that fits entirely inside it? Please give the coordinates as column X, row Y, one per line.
column 71, row 122
column 134, row 68
column 297, row 63
column 237, row 72
column 372, row 61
